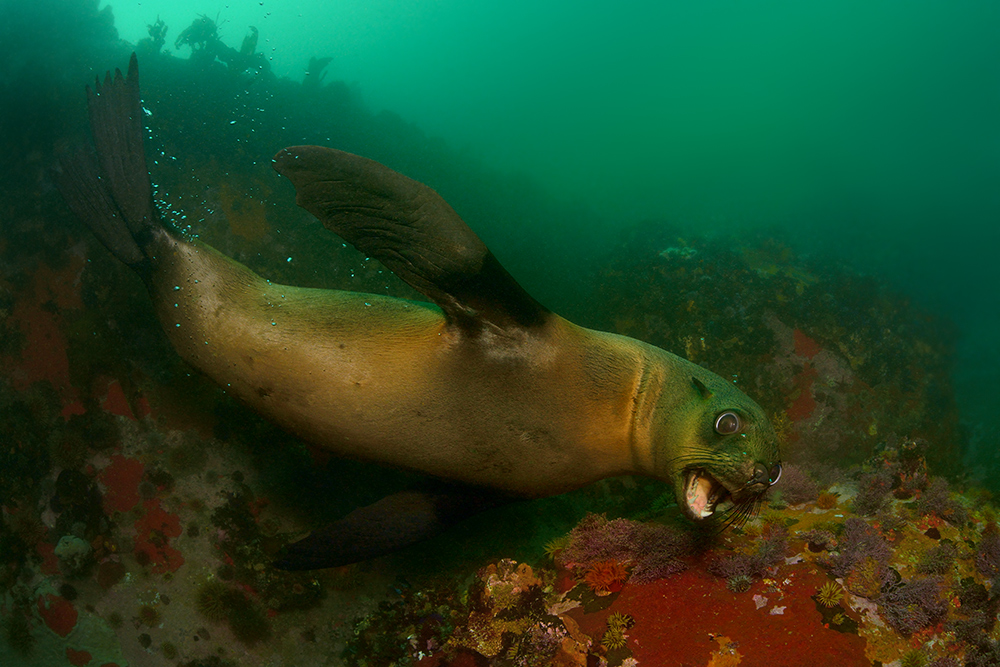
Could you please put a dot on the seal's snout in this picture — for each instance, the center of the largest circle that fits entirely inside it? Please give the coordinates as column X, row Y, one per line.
column 765, row 476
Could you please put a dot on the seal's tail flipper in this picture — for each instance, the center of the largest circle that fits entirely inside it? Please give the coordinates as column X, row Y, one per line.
column 413, row 231
column 386, row 526
column 110, row 191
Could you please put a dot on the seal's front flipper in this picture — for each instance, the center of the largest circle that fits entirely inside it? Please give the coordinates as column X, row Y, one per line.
column 386, row 526
column 110, row 190
column 413, row 231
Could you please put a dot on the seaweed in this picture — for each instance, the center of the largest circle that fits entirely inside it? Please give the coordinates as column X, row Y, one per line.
column 873, row 493
column 988, row 553
column 913, row 605
column 936, row 500
column 797, row 486
column 938, row 559
column 858, row 543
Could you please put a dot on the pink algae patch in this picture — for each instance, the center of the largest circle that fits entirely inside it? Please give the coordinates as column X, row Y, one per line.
column 685, row 616
column 78, row 658
column 38, row 315
column 804, row 404
column 115, row 401
column 58, row 613
column 152, row 541
column 121, row 482
column 50, row 562
column 805, row 346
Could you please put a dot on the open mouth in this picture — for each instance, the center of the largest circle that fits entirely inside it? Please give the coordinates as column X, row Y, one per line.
column 703, row 493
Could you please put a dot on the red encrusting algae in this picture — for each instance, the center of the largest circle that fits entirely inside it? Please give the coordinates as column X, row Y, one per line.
column 58, row 613
column 152, row 541
column 682, row 616
column 78, row 658
column 805, row 346
column 121, row 481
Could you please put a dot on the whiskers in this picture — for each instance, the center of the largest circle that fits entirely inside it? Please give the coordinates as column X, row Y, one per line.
column 704, row 457
column 740, row 513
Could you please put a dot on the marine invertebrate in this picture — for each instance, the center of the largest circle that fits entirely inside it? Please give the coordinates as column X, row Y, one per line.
column 211, row 600
column 914, row 658
column 17, row 632
column 552, row 547
column 613, row 638
column 830, row 594
column 168, row 650
column 248, row 623
column 620, row 620
column 606, row 576
column 149, row 616
column 827, row 500
column 739, row 583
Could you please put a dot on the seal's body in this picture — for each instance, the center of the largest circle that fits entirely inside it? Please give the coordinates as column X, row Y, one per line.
column 388, row 380
column 486, row 388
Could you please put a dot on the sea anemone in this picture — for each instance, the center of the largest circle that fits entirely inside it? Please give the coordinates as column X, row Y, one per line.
column 149, row 616
column 613, row 638
column 914, row 658
column 552, row 547
column 246, row 621
column 168, row 650
column 606, row 576
column 212, row 600
column 739, row 583
column 830, row 594
column 620, row 621
column 17, row 631
column 827, row 500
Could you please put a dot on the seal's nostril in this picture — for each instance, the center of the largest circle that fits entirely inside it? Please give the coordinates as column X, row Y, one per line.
column 774, row 475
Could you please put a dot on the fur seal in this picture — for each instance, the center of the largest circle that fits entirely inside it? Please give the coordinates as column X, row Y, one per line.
column 485, row 387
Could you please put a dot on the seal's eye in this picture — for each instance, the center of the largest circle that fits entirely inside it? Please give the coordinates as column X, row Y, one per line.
column 775, row 474
column 727, row 423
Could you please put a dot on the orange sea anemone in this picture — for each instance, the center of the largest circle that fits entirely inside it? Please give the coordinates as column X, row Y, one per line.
column 606, row 576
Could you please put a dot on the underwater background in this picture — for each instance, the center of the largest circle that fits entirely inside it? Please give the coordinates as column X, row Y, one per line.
column 800, row 196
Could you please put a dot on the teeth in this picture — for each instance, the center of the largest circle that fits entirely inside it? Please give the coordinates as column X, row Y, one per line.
column 701, row 495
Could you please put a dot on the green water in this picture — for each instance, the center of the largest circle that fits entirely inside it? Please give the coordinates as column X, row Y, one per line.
column 864, row 135
column 867, row 131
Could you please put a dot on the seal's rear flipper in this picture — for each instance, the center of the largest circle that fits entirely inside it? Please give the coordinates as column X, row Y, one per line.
column 413, row 231
column 386, row 526
column 110, row 190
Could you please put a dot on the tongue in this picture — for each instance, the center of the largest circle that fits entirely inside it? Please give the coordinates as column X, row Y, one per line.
column 697, row 495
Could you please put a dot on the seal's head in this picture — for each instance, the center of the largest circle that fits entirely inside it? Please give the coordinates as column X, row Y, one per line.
column 724, row 454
